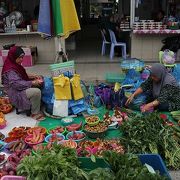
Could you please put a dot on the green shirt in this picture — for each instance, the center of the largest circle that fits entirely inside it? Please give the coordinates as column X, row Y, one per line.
column 168, row 94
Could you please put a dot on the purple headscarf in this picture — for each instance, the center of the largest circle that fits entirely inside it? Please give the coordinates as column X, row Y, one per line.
column 161, row 73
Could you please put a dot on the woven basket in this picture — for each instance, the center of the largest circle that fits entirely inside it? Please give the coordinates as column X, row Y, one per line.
column 60, row 68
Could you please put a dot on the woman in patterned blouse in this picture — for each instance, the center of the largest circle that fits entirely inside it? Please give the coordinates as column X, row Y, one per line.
column 22, row 89
column 163, row 87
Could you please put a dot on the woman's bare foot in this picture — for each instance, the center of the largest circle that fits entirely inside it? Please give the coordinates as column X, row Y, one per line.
column 38, row 116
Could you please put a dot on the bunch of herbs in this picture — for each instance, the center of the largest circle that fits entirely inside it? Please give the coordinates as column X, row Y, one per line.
column 147, row 134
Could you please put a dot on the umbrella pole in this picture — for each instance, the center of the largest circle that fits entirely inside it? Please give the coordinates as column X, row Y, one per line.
column 60, row 50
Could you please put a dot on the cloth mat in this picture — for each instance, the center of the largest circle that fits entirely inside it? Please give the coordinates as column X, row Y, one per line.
column 50, row 122
column 14, row 120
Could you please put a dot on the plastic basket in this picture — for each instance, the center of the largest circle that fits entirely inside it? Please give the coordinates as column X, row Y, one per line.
column 156, row 162
column 115, row 77
column 60, row 68
column 132, row 63
column 88, row 165
column 13, row 178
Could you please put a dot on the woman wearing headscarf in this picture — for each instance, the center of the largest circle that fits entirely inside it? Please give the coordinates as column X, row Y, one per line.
column 163, row 87
column 21, row 88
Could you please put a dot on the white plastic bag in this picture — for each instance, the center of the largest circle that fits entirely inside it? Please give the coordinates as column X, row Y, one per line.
column 60, row 108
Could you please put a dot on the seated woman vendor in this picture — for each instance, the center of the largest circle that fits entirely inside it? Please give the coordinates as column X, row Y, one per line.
column 164, row 89
column 22, row 89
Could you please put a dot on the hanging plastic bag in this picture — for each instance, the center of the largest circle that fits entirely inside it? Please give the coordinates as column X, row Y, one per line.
column 76, row 87
column 62, row 88
column 47, row 90
column 60, row 108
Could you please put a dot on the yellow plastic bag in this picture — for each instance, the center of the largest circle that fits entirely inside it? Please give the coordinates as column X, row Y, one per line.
column 62, row 89
column 76, row 87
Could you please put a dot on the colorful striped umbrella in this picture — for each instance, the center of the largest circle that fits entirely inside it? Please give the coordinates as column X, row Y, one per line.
column 58, row 18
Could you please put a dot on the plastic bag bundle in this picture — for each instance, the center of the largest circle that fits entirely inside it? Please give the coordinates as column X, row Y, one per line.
column 176, row 73
column 47, row 90
column 167, row 57
column 138, row 101
column 131, row 77
column 132, row 63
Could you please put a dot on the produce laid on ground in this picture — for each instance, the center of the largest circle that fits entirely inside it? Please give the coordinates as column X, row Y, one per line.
column 2, row 158
column 58, row 129
column 5, row 106
column 76, row 135
column 2, row 121
column 92, row 120
column 2, row 136
column 69, row 143
column 60, row 157
column 17, row 133
column 87, row 148
column 150, row 134
column 74, row 127
column 15, row 146
column 40, row 147
column 37, row 130
column 56, row 137
column 62, row 163
column 119, row 116
column 15, row 158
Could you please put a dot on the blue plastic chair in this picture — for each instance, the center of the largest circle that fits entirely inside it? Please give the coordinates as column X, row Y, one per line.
column 114, row 43
column 104, row 42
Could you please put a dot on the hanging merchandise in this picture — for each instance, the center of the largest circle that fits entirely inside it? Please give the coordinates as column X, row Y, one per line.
column 47, row 90
column 62, row 88
column 60, row 108
column 76, row 87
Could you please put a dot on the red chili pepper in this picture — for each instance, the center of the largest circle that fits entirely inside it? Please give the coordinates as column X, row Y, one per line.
column 163, row 116
column 169, row 123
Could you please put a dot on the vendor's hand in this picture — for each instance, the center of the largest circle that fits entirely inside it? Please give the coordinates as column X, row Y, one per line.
column 36, row 83
column 146, row 107
column 129, row 100
column 37, row 77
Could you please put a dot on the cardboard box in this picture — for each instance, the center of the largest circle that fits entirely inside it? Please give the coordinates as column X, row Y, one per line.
column 29, row 59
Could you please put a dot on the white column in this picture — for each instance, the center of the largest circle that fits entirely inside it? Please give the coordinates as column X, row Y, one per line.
column 132, row 12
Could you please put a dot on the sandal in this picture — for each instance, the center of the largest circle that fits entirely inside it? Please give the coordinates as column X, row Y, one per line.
column 38, row 117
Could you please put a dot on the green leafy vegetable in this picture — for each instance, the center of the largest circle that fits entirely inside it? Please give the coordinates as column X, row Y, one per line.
column 128, row 166
column 147, row 134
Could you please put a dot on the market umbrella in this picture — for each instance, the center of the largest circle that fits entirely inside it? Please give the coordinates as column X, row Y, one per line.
column 57, row 18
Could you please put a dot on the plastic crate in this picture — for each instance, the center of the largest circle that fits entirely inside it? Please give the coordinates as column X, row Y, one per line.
column 156, row 162
column 115, row 77
column 87, row 164
column 13, row 178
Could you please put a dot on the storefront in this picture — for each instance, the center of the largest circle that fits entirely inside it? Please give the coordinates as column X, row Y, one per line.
column 153, row 21
column 19, row 25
